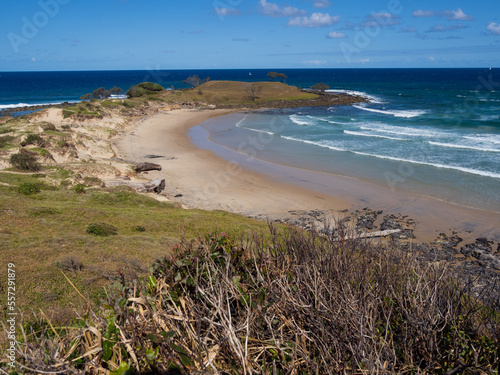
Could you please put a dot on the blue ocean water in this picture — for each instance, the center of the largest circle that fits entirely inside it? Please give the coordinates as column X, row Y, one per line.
column 434, row 132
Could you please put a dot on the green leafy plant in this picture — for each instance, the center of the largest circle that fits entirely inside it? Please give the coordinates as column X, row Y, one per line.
column 28, row 188
column 79, row 189
column 102, row 229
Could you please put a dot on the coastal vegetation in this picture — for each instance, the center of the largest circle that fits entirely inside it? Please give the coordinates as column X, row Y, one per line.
column 117, row 282
column 291, row 302
column 144, row 88
column 102, row 93
column 281, row 76
column 195, row 81
column 320, row 86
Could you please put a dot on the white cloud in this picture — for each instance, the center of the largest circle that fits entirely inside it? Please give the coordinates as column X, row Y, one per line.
column 494, row 28
column 321, row 4
column 314, row 62
column 335, row 35
column 315, row 20
column 459, row 15
column 423, row 13
column 226, row 11
column 274, row 10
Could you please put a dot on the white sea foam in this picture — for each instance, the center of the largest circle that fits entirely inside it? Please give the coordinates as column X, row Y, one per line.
column 489, row 100
column 396, row 113
column 490, row 138
column 301, row 120
column 489, row 118
column 258, row 130
column 437, row 165
column 405, row 131
column 373, row 135
column 324, row 144
column 238, row 124
column 25, row 105
column 453, row 145
column 330, row 121
column 371, row 98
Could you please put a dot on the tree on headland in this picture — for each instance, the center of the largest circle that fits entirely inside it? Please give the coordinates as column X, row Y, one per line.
column 102, row 93
column 320, row 86
column 252, row 91
column 272, row 75
column 116, row 91
column 195, row 81
column 87, row 96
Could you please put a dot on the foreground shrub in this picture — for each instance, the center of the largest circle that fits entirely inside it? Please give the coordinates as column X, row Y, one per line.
column 27, row 188
column 25, row 162
column 70, row 263
column 102, row 229
column 297, row 303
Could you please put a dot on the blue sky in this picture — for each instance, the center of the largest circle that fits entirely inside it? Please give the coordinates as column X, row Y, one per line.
column 223, row 34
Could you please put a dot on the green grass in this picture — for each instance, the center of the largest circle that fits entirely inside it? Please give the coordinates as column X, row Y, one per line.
column 56, row 133
column 41, row 151
column 86, row 110
column 37, row 231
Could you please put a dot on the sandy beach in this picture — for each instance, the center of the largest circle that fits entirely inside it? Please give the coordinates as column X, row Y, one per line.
column 202, row 179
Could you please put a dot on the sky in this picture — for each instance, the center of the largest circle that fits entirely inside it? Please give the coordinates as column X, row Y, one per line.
column 55, row 35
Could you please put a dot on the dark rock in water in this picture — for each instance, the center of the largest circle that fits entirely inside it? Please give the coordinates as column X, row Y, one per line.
column 448, row 243
column 143, row 167
column 365, row 218
column 484, row 242
column 481, row 245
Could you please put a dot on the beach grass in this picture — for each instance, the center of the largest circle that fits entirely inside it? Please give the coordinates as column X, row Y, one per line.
column 42, row 232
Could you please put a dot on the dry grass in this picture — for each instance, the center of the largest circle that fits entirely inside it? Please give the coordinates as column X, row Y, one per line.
column 232, row 93
column 297, row 304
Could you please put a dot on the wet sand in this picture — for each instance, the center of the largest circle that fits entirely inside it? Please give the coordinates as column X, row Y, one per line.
column 210, row 176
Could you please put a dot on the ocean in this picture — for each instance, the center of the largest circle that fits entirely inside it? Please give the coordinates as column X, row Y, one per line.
column 433, row 132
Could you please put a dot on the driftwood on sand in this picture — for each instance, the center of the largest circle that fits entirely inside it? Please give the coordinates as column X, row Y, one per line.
column 143, row 167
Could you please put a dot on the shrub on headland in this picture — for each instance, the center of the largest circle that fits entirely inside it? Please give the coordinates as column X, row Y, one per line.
column 25, row 162
column 143, row 88
column 295, row 303
column 32, row 139
column 28, row 188
column 102, row 229
column 150, row 86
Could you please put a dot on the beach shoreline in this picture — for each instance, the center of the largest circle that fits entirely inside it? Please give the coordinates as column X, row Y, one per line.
column 208, row 176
